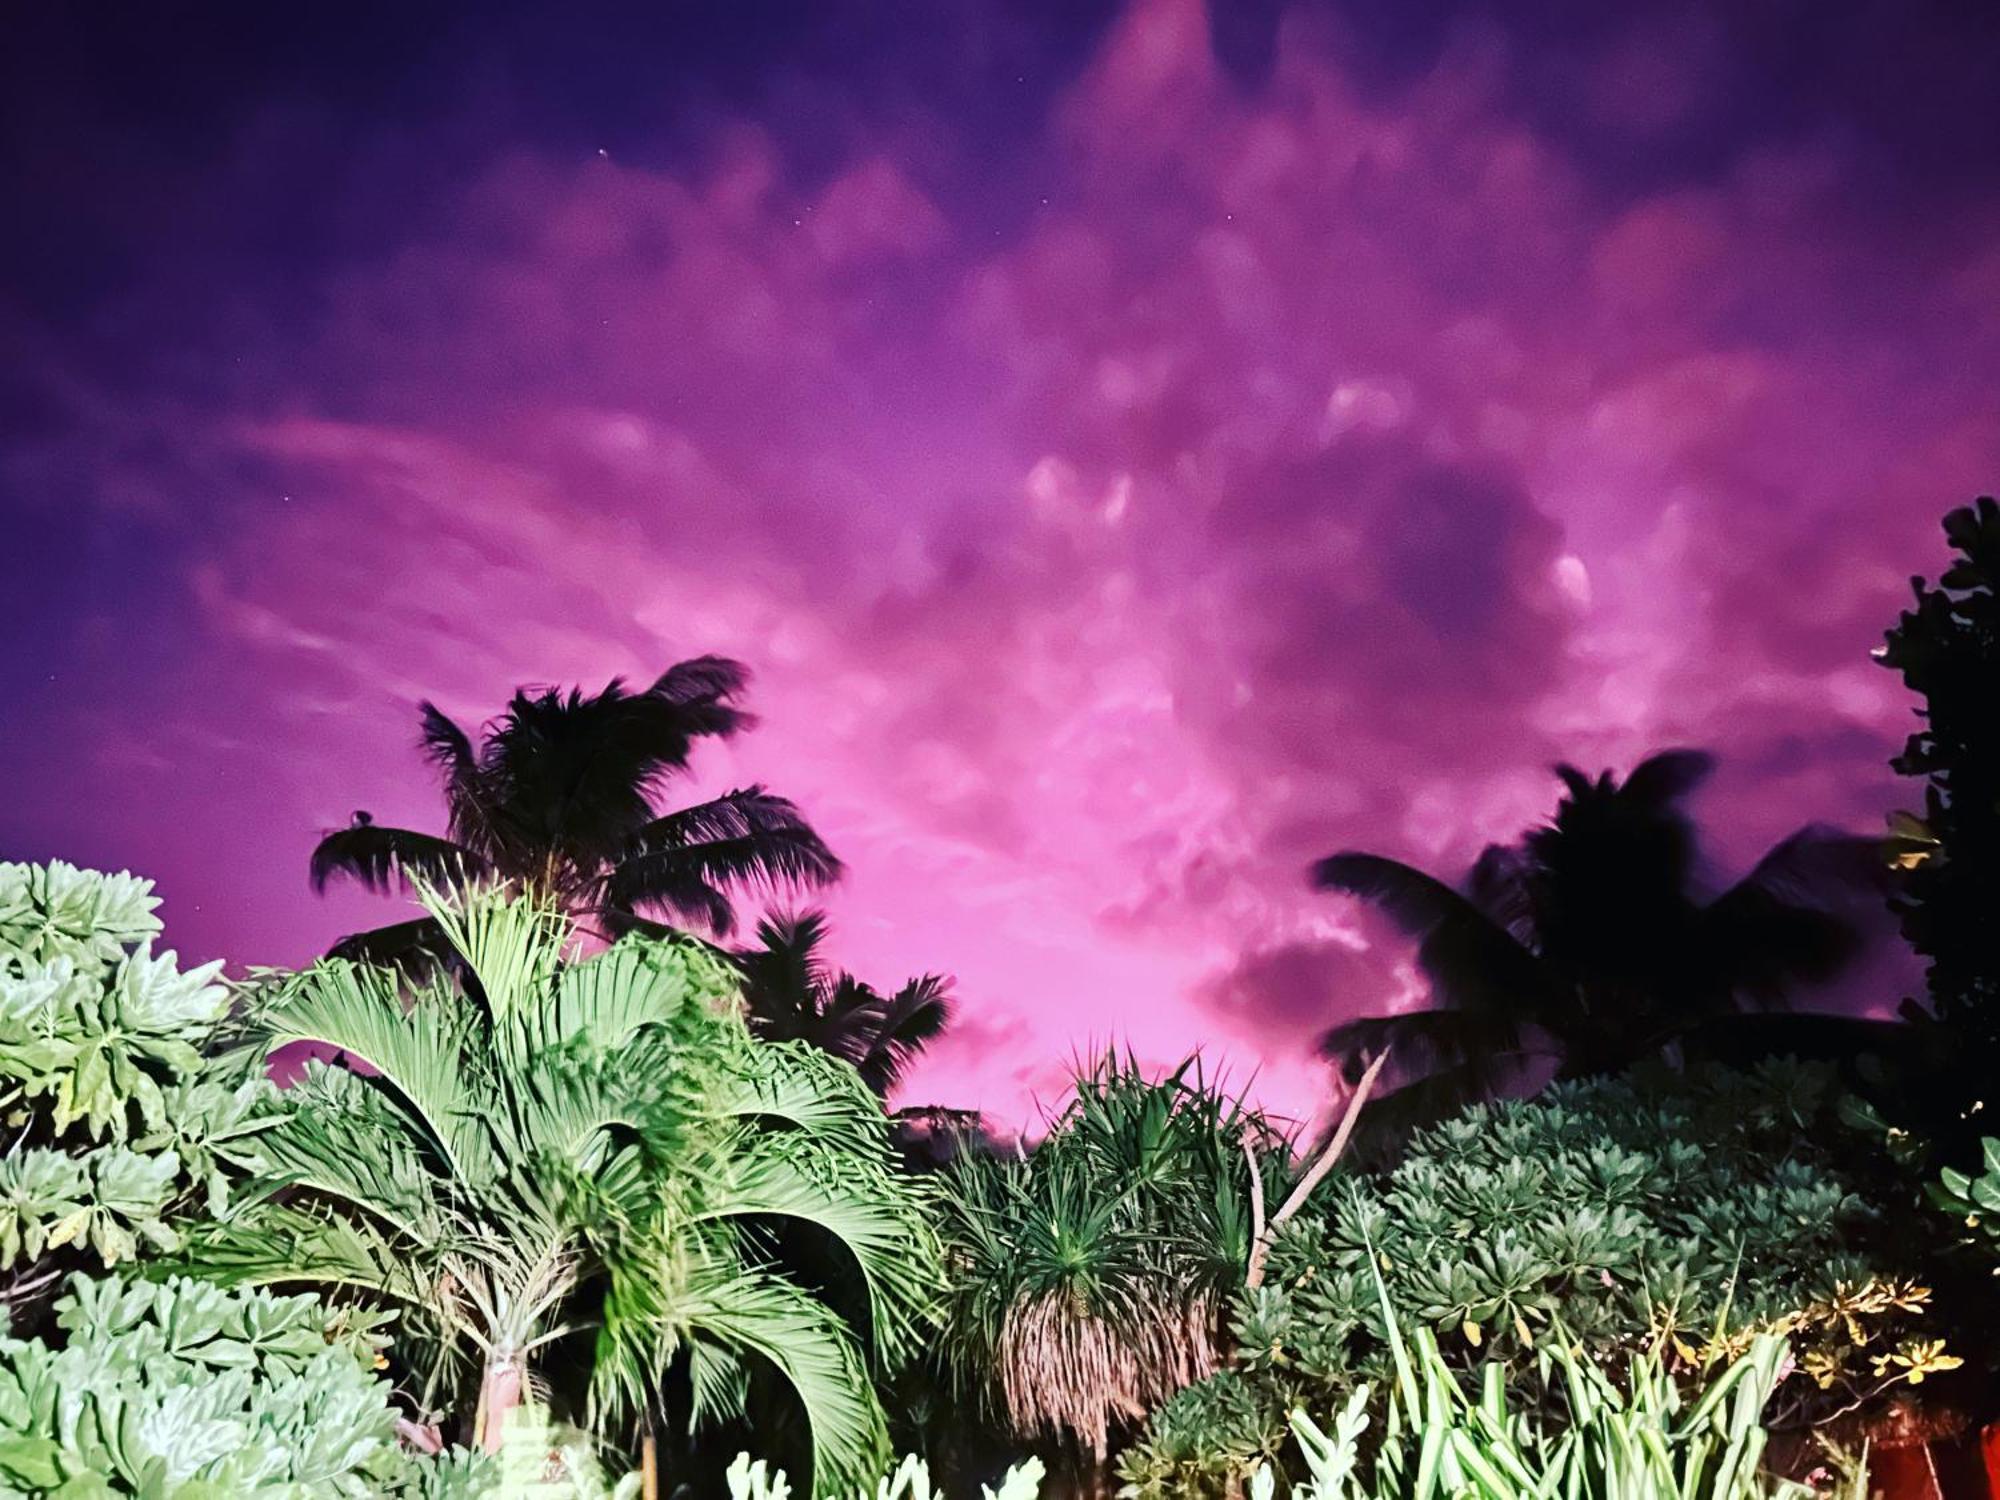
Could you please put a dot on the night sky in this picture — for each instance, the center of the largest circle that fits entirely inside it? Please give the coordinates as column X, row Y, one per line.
column 1138, row 453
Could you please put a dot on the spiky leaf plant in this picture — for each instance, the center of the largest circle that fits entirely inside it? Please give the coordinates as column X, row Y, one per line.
column 1641, row 1438
column 1088, row 1278
column 534, row 1143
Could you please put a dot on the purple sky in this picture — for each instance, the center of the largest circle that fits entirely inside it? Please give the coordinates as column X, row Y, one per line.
column 1137, row 456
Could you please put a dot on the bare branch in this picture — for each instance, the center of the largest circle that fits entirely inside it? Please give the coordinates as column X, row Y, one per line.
column 1260, row 1249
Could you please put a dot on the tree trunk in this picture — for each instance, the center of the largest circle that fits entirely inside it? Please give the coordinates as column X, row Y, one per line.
column 499, row 1394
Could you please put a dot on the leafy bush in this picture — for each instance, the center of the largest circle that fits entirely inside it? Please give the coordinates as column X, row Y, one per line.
column 178, row 1390
column 126, row 1106
column 1687, row 1215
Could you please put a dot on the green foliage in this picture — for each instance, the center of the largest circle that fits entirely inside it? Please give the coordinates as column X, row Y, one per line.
column 1641, row 1438
column 910, row 1480
column 1946, row 648
column 127, row 1105
column 1973, row 1198
column 1686, row 1216
column 547, row 1145
column 1088, row 1279
column 178, row 1390
column 540, row 1459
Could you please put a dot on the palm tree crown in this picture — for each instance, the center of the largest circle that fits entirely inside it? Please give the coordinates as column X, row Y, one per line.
column 559, row 795
column 1591, row 938
column 541, row 1146
column 793, row 996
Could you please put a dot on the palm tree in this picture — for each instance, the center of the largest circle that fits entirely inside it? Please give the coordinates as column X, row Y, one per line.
column 558, row 796
column 1590, row 940
column 793, row 996
column 542, row 1145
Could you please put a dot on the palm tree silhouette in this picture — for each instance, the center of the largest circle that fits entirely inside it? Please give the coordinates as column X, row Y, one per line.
column 1590, row 940
column 558, row 796
column 794, row 996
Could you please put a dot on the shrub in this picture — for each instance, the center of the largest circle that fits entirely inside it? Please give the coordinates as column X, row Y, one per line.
column 178, row 1390
column 1641, row 1439
column 1686, row 1216
column 125, row 1102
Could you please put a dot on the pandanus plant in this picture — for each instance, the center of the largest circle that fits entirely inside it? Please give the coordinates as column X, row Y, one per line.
column 1088, row 1279
column 530, row 1144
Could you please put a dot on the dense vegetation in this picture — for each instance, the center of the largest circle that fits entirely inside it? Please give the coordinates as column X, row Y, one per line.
column 569, row 1183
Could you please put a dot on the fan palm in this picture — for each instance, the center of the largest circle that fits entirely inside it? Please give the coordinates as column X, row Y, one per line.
column 558, row 796
column 794, row 996
column 1590, row 940
column 542, row 1144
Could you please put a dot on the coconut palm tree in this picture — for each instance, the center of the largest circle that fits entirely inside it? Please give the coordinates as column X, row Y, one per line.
column 540, row 1146
column 559, row 796
column 1592, row 942
column 794, row 996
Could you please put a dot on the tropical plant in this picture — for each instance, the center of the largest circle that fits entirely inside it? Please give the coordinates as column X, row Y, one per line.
column 1591, row 940
column 1946, row 649
column 558, row 796
column 541, row 1459
column 1643, row 1439
column 1088, row 1279
column 543, row 1143
column 1682, row 1215
column 793, row 995
column 909, row 1480
column 128, row 1102
column 180, row 1390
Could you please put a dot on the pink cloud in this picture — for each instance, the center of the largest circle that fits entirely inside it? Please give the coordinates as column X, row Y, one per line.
column 1310, row 471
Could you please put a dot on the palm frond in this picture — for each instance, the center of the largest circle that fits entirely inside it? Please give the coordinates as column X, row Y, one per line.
column 511, row 947
column 1667, row 776
column 640, row 981
column 449, row 749
column 384, row 859
column 799, row 1086
column 687, row 861
column 421, row 1051
column 1486, row 1043
column 853, row 1201
column 750, row 1314
column 701, row 679
column 900, row 1027
column 1790, row 921
column 1471, row 961
column 343, row 1142
column 415, row 948
column 785, row 979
